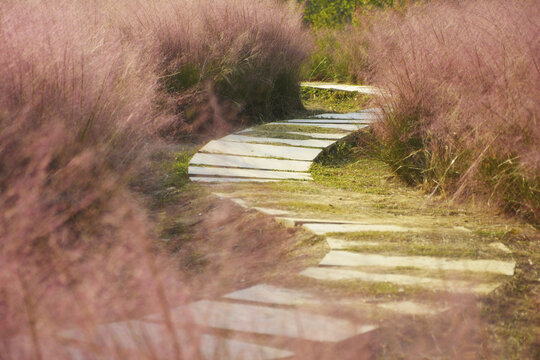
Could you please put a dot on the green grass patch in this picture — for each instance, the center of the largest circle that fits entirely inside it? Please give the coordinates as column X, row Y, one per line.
column 345, row 166
column 332, row 100
column 334, row 13
column 176, row 171
column 300, row 128
column 168, row 176
column 352, row 176
column 518, row 193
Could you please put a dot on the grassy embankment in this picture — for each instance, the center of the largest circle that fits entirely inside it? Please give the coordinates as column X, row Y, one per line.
column 463, row 84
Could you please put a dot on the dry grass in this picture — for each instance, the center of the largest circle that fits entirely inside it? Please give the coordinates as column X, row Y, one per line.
column 465, row 83
column 86, row 86
column 222, row 61
column 84, row 92
column 77, row 109
column 339, row 55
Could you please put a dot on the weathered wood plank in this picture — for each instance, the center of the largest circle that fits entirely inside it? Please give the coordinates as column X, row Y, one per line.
column 248, row 173
column 260, row 150
column 249, row 162
column 295, row 142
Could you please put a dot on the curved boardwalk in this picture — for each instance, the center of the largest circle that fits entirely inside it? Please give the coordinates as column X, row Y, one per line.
column 276, row 151
column 285, row 150
column 275, row 321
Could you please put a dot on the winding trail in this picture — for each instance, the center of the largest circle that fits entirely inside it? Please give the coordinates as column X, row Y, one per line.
column 298, row 320
column 284, row 151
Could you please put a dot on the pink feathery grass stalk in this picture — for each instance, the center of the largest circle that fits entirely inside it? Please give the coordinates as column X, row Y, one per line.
column 465, row 83
column 247, row 53
column 76, row 110
column 85, row 87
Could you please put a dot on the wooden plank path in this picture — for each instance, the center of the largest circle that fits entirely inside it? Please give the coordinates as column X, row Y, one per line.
column 278, row 315
column 242, row 157
column 253, row 309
